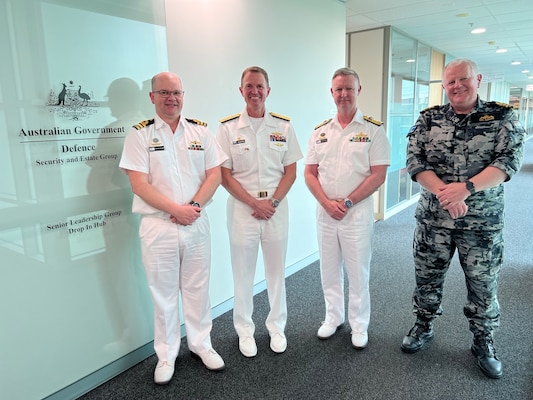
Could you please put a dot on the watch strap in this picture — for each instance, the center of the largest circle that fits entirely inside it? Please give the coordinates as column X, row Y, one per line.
column 470, row 186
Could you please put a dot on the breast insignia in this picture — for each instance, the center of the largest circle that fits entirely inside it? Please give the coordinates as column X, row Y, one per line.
column 280, row 116
column 143, row 124
column 196, row 121
column 323, row 123
column 230, row 118
column 372, row 120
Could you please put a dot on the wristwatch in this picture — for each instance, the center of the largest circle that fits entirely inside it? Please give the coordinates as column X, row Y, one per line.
column 194, row 203
column 348, row 203
column 275, row 202
column 470, row 186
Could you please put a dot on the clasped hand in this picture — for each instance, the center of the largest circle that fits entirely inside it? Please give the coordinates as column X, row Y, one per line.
column 187, row 215
column 263, row 209
column 452, row 198
column 336, row 209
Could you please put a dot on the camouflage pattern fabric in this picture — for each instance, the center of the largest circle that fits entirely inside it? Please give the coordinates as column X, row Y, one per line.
column 480, row 254
column 457, row 147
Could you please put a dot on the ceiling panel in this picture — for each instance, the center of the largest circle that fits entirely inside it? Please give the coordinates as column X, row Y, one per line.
column 508, row 24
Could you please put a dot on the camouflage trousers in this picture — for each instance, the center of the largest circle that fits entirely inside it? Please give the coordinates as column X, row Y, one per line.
column 480, row 255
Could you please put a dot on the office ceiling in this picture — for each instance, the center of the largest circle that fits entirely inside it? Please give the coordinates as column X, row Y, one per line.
column 446, row 25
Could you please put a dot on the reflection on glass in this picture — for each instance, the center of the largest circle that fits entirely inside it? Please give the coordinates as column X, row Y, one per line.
column 409, row 93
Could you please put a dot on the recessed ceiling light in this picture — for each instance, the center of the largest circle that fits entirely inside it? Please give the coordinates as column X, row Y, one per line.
column 410, row 60
column 501, row 50
column 515, row 63
column 525, row 71
column 478, row 30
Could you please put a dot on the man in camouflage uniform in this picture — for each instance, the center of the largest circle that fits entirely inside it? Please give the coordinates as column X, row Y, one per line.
column 461, row 153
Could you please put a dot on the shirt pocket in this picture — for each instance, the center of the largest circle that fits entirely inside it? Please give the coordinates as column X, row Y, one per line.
column 197, row 158
column 441, row 148
column 278, row 146
column 242, row 156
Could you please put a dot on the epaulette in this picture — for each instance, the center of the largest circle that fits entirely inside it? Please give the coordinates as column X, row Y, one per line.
column 230, row 118
column 323, row 123
column 144, row 124
column 196, row 121
column 372, row 120
column 280, row 116
column 498, row 103
column 430, row 108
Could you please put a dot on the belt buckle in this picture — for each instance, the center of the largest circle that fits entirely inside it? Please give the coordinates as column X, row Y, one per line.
column 263, row 194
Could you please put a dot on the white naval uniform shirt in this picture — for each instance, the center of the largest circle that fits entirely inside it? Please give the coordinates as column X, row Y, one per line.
column 176, row 163
column 257, row 160
column 344, row 156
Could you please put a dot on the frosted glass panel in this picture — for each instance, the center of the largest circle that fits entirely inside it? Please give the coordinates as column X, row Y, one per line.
column 74, row 77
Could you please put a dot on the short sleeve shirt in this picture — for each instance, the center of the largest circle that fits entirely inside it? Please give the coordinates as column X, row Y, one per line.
column 258, row 159
column 344, row 156
column 176, row 163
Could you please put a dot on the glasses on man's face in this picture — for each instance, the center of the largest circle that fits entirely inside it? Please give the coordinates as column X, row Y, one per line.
column 167, row 93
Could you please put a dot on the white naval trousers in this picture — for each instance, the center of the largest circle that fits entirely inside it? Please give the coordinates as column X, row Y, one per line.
column 245, row 235
column 177, row 259
column 346, row 243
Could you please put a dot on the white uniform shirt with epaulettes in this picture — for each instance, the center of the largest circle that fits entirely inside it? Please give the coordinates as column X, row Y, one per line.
column 257, row 160
column 176, row 163
column 344, row 156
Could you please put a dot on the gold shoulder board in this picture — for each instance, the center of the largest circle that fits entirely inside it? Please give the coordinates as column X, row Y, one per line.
column 196, row 121
column 505, row 105
column 323, row 123
column 230, row 118
column 143, row 124
column 372, row 120
column 429, row 108
column 280, row 116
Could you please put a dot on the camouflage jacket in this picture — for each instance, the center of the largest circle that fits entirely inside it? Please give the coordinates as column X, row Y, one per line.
column 457, row 147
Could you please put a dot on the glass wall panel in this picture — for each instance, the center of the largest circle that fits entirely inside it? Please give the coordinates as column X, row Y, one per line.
column 411, row 89
column 72, row 288
column 402, row 93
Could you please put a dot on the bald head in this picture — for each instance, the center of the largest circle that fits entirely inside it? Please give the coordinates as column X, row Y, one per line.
column 164, row 76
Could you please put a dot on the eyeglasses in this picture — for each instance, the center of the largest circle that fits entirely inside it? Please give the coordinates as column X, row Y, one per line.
column 167, row 93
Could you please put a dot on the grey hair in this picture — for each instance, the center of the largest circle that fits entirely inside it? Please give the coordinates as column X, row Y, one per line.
column 346, row 71
column 458, row 61
column 256, row 69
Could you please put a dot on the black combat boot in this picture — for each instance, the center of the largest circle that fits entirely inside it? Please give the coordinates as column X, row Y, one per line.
column 419, row 335
column 488, row 362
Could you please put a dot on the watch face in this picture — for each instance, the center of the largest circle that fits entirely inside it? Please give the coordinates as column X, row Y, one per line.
column 348, row 203
column 275, row 203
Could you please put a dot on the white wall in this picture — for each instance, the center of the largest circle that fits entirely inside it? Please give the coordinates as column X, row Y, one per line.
column 300, row 43
column 79, row 299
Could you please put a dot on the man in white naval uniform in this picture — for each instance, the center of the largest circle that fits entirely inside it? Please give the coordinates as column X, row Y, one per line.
column 346, row 163
column 263, row 151
column 173, row 164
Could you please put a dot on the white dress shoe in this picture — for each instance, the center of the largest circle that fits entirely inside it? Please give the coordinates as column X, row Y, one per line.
column 163, row 372
column 359, row 340
column 326, row 330
column 278, row 342
column 247, row 346
column 211, row 360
